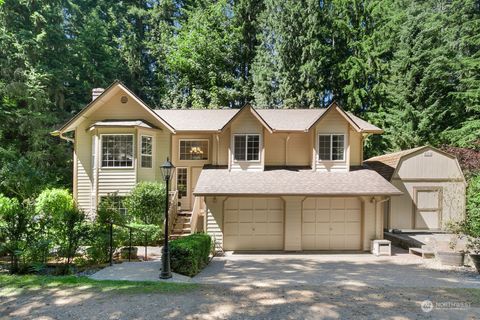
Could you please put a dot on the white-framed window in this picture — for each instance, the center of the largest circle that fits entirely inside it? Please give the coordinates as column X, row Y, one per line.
column 246, row 147
column 193, row 149
column 331, row 147
column 114, row 202
column 117, row 150
column 182, row 181
column 146, row 151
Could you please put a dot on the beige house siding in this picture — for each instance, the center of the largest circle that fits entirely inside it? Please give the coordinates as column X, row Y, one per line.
column 275, row 144
column 93, row 182
column 214, row 222
column 83, row 176
column 356, row 147
column 332, row 123
column 115, row 109
column 246, row 123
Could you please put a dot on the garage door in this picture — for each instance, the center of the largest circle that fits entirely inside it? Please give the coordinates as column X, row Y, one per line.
column 331, row 224
column 253, row 224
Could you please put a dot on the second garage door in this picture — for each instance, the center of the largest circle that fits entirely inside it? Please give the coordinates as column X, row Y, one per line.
column 331, row 224
column 253, row 224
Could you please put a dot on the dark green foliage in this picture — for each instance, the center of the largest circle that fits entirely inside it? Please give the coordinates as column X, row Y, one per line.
column 67, row 223
column 15, row 221
column 146, row 203
column 473, row 206
column 410, row 67
column 190, row 254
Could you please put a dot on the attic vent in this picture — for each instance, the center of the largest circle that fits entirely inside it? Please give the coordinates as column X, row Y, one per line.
column 124, row 99
column 427, row 154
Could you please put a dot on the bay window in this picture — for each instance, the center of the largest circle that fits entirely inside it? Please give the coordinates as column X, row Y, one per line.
column 117, row 150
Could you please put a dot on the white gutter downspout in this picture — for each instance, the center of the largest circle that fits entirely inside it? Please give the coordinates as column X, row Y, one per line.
column 378, row 231
column 57, row 133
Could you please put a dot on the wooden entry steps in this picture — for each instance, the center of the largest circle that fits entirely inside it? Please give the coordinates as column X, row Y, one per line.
column 181, row 226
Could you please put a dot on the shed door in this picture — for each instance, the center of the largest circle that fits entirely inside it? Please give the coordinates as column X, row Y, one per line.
column 253, row 224
column 331, row 224
column 428, row 209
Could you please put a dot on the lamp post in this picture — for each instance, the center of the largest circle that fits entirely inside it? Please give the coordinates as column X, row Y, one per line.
column 167, row 172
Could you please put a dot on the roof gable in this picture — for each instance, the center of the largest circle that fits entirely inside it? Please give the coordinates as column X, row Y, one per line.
column 248, row 108
column 113, row 90
column 355, row 122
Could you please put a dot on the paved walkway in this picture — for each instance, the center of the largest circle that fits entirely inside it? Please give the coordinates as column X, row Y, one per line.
column 136, row 271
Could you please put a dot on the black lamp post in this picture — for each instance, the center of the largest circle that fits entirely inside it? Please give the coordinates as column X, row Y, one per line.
column 167, row 172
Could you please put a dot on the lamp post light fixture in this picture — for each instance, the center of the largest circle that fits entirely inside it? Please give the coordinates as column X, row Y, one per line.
column 167, row 172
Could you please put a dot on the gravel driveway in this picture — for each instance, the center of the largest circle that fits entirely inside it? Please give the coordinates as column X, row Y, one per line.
column 275, row 286
column 400, row 270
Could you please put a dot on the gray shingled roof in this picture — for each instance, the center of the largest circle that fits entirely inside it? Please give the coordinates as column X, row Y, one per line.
column 288, row 182
column 197, row 119
column 290, row 119
column 277, row 119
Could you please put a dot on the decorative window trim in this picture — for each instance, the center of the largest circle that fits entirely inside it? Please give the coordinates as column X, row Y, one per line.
column 142, row 155
column 246, row 147
column 331, row 147
column 193, row 139
column 101, row 150
column 118, row 202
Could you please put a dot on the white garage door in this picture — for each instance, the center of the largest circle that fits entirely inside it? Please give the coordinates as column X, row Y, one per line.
column 253, row 224
column 331, row 224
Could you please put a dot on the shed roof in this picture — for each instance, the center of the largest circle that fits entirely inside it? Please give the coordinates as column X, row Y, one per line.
column 292, row 182
column 386, row 164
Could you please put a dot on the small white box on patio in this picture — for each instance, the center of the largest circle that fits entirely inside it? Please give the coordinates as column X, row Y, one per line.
column 381, row 247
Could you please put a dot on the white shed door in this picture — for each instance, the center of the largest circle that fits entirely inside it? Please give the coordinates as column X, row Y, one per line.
column 253, row 224
column 331, row 224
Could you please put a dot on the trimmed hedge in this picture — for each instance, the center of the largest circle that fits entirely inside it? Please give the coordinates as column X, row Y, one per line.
column 190, row 254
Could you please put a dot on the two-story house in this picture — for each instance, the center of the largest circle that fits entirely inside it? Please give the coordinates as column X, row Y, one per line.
column 266, row 179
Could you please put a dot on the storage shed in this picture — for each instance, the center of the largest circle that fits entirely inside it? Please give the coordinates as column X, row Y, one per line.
column 433, row 188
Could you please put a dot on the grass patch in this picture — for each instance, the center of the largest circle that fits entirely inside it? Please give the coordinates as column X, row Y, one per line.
column 473, row 294
column 17, row 284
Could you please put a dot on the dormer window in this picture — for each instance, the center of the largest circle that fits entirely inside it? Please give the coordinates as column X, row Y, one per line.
column 246, row 147
column 331, row 147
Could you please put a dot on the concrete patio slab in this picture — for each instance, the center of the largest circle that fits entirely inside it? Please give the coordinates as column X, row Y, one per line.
column 136, row 271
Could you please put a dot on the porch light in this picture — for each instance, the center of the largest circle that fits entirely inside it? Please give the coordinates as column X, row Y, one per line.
column 167, row 171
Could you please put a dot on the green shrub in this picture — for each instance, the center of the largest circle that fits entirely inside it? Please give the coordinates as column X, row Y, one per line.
column 190, row 254
column 146, row 203
column 68, row 222
column 14, row 227
column 473, row 206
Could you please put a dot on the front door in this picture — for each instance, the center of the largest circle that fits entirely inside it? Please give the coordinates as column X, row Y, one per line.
column 428, row 208
column 183, row 188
